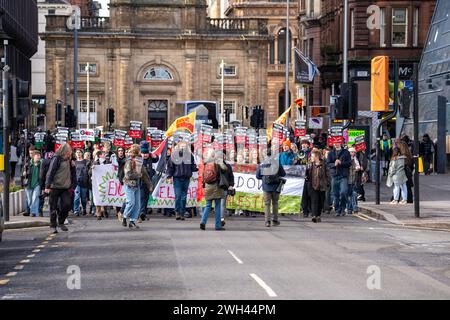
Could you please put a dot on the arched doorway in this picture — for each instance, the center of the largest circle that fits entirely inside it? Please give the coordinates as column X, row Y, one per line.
column 281, row 102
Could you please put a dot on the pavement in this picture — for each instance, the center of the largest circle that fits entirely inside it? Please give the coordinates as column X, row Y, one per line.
column 340, row 258
column 19, row 222
column 434, row 204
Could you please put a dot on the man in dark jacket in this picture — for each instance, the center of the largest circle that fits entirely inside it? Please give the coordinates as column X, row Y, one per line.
column 228, row 180
column 180, row 167
column 60, row 180
column 147, row 164
column 339, row 162
column 49, row 141
column 270, row 171
column 426, row 150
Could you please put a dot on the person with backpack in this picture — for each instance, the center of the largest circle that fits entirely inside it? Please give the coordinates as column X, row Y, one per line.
column 60, row 180
column 339, row 162
column 145, row 191
column 270, row 172
column 212, row 171
column 134, row 174
column 180, row 167
column 318, row 179
column 82, row 188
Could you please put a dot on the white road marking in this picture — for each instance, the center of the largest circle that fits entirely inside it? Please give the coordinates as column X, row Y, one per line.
column 36, row 250
column 358, row 216
column 45, row 242
column 25, row 261
column 11, row 274
column 269, row 291
column 18, row 267
column 41, row 246
column 4, row 281
column 31, row 256
column 366, row 216
column 235, row 257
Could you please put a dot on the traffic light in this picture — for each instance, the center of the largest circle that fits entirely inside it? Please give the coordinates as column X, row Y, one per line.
column 110, row 115
column 69, row 119
column 345, row 105
column 23, row 100
column 58, row 114
column 405, row 101
column 227, row 115
column 254, row 118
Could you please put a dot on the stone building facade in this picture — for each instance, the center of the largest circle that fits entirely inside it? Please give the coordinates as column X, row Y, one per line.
column 149, row 55
column 275, row 12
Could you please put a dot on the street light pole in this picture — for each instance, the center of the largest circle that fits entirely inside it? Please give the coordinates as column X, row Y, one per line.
column 416, row 141
column 5, row 75
column 222, row 118
column 345, row 51
column 286, row 74
column 87, row 94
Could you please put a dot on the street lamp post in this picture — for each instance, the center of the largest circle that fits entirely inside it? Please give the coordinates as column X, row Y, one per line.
column 286, row 74
column 5, row 102
column 87, row 96
column 222, row 118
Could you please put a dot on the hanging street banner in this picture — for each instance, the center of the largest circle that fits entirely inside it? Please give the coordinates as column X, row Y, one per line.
column 305, row 69
column 135, row 131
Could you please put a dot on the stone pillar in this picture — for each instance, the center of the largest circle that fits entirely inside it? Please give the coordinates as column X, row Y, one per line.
column 124, row 107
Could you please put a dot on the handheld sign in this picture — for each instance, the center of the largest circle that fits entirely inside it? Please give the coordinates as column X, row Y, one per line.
column 135, row 129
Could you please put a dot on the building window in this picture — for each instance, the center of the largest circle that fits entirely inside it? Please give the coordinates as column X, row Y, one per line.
column 229, row 70
column 399, row 27
column 282, row 46
column 93, row 105
column 51, row 12
column 158, row 73
column 383, row 27
column 311, row 48
column 311, row 8
column 352, row 30
column 229, row 105
column 272, row 52
column 416, row 27
column 83, row 68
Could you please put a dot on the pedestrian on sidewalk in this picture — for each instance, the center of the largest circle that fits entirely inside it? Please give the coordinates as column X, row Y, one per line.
column 214, row 166
column 13, row 160
column 339, row 162
column 31, row 184
column 134, row 174
column 354, row 181
column 318, row 179
column 180, row 167
column 82, row 187
column 59, row 182
column 386, row 152
column 397, row 177
column 149, row 159
column 409, row 168
column 270, row 172
column 426, row 150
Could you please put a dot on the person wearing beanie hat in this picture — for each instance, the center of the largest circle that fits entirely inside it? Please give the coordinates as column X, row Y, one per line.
column 287, row 157
column 145, row 191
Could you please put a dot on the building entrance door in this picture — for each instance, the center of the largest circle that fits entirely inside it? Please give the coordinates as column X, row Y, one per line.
column 157, row 114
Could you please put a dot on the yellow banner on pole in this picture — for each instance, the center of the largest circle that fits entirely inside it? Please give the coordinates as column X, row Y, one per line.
column 184, row 122
column 380, row 84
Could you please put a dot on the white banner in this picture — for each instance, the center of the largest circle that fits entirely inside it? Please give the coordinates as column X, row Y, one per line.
column 248, row 183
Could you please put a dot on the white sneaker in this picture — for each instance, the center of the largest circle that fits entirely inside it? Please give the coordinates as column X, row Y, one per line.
column 394, row 202
column 403, row 202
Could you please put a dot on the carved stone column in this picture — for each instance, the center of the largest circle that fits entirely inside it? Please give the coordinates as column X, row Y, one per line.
column 124, row 95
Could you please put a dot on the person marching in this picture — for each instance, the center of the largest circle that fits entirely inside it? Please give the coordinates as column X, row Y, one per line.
column 82, row 188
column 30, row 181
column 227, row 184
column 213, row 192
column 354, row 181
column 100, row 159
column 318, row 180
column 145, row 191
column 121, row 159
column 60, row 179
column 270, row 175
column 181, row 172
column 134, row 174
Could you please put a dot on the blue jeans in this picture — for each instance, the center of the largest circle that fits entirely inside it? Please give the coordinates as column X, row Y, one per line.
column 181, row 187
column 33, row 199
column 352, row 201
column 80, row 194
column 340, row 193
column 397, row 188
column 133, row 202
column 217, row 211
